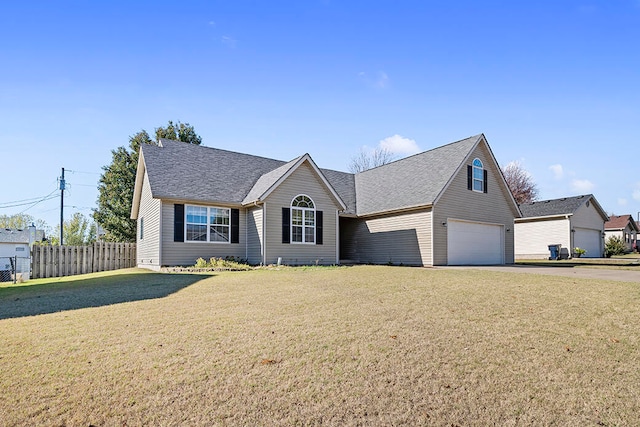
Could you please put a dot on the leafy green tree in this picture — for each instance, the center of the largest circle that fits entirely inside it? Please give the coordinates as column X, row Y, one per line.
column 22, row 221
column 77, row 231
column 116, row 185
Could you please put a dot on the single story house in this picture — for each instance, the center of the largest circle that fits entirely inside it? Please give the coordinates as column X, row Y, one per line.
column 446, row 206
column 573, row 222
column 15, row 247
column 622, row 226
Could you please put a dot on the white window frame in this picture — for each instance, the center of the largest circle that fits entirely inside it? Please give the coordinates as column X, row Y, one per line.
column 208, row 224
column 307, row 213
column 477, row 170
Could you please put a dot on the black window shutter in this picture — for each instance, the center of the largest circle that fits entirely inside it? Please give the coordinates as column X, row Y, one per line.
column 486, row 185
column 178, row 223
column 286, row 225
column 235, row 225
column 469, row 177
column 318, row 227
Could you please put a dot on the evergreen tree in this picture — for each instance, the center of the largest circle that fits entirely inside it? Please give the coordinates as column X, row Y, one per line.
column 116, row 185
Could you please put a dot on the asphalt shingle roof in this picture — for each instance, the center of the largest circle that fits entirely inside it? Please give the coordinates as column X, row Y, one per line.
column 16, row 235
column 183, row 171
column 619, row 222
column 266, row 181
column 178, row 170
column 413, row 181
column 563, row 206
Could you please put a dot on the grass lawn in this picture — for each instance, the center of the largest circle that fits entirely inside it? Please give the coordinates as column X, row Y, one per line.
column 320, row 346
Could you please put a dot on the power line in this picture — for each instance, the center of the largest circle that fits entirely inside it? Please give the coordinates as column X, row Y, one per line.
column 81, row 185
column 35, row 200
column 87, row 173
column 47, row 197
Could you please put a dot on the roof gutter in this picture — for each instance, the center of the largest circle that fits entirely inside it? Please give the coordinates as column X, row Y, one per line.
column 396, row 211
column 540, row 218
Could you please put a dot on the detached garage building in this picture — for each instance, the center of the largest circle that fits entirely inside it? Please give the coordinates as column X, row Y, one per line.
column 573, row 222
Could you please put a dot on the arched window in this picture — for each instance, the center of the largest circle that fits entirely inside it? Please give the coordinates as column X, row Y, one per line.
column 303, row 220
column 478, row 175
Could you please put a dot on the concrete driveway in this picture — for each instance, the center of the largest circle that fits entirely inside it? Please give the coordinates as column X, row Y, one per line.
column 567, row 271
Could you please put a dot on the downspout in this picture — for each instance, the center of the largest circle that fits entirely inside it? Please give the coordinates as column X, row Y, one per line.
column 246, row 234
column 337, row 237
column 160, row 238
column 571, row 237
column 263, row 242
column 432, row 233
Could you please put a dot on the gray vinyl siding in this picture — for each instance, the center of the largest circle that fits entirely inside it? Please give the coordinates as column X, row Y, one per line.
column 302, row 181
column 186, row 253
column 254, row 235
column 402, row 238
column 148, row 248
column 457, row 202
column 588, row 217
column 532, row 238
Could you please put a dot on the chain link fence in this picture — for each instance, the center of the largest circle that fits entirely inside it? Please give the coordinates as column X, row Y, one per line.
column 14, row 269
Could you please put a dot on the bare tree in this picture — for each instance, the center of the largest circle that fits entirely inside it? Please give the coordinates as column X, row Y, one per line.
column 367, row 159
column 520, row 182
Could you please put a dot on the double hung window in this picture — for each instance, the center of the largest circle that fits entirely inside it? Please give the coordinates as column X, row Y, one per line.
column 207, row 224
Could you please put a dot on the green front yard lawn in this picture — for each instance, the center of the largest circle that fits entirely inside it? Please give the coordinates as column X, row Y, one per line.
column 364, row 345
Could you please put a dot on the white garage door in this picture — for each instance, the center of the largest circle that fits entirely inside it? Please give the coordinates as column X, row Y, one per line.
column 590, row 240
column 473, row 243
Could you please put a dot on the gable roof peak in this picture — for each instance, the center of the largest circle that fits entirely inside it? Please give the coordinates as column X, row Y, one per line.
column 475, row 138
column 560, row 206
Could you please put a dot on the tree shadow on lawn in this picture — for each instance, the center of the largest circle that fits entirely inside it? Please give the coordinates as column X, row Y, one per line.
column 30, row 300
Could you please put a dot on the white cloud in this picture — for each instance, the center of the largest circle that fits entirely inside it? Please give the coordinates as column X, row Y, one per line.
column 228, row 41
column 557, row 170
column 636, row 195
column 380, row 81
column 383, row 80
column 582, row 185
column 622, row 202
column 399, row 145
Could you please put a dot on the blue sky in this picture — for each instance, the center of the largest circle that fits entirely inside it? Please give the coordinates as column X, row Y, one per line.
column 552, row 84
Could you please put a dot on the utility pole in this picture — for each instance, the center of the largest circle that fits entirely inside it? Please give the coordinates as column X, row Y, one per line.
column 62, row 185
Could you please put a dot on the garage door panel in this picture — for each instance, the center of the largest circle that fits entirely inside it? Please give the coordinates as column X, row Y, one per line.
column 472, row 243
column 589, row 240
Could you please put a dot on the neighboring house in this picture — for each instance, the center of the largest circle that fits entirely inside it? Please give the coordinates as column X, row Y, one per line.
column 570, row 221
column 449, row 205
column 622, row 226
column 15, row 246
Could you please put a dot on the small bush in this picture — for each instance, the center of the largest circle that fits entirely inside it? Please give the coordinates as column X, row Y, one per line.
column 614, row 246
column 228, row 263
column 579, row 251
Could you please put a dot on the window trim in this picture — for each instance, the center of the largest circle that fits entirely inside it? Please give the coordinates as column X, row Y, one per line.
column 208, row 225
column 474, row 179
column 304, row 227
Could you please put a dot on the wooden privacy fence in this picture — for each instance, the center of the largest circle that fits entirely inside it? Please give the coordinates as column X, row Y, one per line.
column 58, row 261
